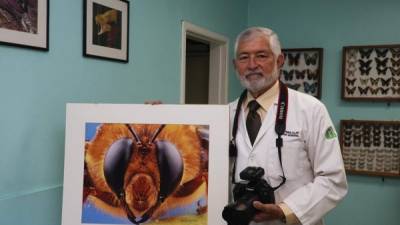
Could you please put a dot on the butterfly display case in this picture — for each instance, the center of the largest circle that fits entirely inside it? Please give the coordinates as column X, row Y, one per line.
column 302, row 70
column 371, row 73
column 371, row 147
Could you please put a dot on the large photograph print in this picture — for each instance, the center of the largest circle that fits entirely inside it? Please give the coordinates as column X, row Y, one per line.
column 146, row 165
column 160, row 170
column 24, row 23
column 106, row 29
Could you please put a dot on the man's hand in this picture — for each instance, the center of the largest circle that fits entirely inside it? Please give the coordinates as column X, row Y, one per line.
column 153, row 102
column 267, row 212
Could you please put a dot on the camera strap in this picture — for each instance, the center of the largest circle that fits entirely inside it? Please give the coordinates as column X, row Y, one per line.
column 280, row 127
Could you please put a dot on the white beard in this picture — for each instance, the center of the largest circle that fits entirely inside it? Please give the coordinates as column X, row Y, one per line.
column 258, row 81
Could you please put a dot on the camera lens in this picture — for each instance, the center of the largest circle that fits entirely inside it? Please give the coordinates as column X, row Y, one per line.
column 234, row 216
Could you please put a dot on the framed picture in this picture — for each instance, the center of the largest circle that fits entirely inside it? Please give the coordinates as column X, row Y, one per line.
column 106, row 29
column 371, row 73
column 302, row 70
column 371, row 147
column 25, row 23
column 152, row 164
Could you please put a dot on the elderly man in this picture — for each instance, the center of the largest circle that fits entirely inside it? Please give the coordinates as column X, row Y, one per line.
column 287, row 133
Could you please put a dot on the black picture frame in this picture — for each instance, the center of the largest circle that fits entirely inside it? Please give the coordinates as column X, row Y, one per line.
column 106, row 29
column 371, row 147
column 302, row 70
column 25, row 24
column 371, row 73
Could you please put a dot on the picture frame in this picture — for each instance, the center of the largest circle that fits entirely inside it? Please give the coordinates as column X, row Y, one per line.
column 94, row 133
column 371, row 147
column 106, row 29
column 302, row 70
column 25, row 24
column 371, row 73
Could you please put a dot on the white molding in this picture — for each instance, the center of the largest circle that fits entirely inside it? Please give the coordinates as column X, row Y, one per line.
column 218, row 84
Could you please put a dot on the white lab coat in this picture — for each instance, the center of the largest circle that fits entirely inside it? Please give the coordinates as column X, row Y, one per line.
column 313, row 165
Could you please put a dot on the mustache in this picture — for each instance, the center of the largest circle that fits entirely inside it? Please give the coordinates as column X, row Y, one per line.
column 253, row 73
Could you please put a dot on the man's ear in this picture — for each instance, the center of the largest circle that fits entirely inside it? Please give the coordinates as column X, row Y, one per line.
column 280, row 60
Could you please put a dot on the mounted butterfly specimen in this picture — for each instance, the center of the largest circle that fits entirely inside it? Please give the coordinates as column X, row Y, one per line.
column 293, row 86
column 351, row 64
column 395, row 91
column 288, row 75
column 312, row 74
column 376, row 141
column 351, row 82
column 300, row 74
column 395, row 72
column 382, row 71
column 395, row 82
column 395, row 63
column 381, row 62
column 363, row 91
column 141, row 171
column 385, row 82
column 381, row 52
column 365, row 52
column 352, row 54
column 364, row 66
column 350, row 91
column 347, row 140
column 351, row 73
column 384, row 91
column 395, row 52
column 293, row 58
column 310, row 88
column 374, row 82
column 311, row 58
column 364, row 81
column 365, row 70
column 375, row 91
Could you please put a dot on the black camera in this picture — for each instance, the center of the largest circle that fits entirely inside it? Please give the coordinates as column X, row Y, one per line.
column 241, row 211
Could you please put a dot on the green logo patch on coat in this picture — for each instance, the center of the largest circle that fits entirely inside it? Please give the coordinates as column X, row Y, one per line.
column 330, row 133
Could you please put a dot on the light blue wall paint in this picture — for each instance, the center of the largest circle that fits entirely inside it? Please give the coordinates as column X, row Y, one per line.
column 35, row 86
column 332, row 25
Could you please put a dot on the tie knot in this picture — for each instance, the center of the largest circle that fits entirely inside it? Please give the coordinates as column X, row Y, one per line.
column 253, row 105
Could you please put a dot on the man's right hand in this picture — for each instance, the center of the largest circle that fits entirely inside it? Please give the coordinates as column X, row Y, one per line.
column 153, row 102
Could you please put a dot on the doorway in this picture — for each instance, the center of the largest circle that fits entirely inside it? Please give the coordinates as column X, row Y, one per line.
column 204, row 66
column 197, row 72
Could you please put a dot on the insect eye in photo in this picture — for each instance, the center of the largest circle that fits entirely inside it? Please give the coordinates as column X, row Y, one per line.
column 141, row 172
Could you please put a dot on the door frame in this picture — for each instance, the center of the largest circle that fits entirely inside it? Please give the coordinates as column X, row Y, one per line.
column 218, row 83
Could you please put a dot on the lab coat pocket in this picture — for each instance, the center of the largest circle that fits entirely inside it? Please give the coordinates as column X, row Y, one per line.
column 293, row 158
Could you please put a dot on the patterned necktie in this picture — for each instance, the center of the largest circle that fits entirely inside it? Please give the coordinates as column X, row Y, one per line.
column 253, row 121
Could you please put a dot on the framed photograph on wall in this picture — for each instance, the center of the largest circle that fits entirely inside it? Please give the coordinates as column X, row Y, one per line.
column 106, row 29
column 371, row 73
column 150, row 164
column 25, row 23
column 302, row 70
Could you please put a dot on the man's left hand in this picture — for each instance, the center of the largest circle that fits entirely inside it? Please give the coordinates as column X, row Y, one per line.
column 267, row 212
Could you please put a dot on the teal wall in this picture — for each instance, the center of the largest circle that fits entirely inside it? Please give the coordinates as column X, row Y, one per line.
column 332, row 25
column 35, row 86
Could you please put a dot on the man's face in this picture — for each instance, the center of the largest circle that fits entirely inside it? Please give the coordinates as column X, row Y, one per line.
column 256, row 65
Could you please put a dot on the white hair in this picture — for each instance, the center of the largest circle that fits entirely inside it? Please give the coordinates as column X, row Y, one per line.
column 253, row 32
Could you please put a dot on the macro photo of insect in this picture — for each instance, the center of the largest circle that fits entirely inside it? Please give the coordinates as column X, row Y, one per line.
column 145, row 174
